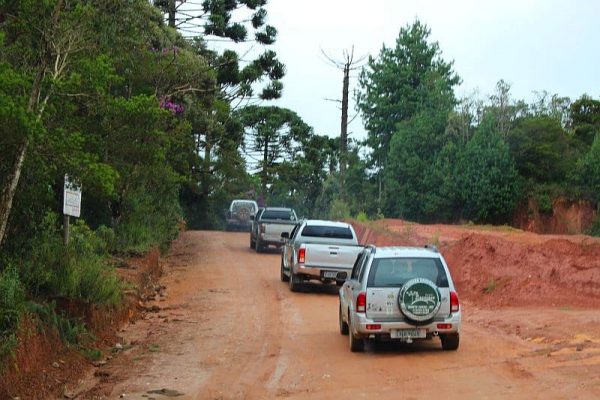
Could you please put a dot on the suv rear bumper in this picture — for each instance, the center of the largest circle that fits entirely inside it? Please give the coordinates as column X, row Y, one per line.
column 360, row 321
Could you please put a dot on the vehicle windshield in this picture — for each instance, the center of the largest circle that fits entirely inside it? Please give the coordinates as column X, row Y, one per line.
column 395, row 272
column 285, row 215
column 337, row 232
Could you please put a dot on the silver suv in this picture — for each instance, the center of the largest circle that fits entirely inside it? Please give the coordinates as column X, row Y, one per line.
column 239, row 215
column 399, row 293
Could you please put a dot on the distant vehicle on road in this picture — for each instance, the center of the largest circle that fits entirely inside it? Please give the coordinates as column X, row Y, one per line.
column 239, row 215
column 268, row 226
column 318, row 250
column 399, row 293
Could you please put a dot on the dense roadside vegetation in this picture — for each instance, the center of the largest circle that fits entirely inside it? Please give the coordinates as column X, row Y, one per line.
column 161, row 130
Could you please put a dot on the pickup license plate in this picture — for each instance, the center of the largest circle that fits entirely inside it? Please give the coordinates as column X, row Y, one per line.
column 408, row 334
column 329, row 274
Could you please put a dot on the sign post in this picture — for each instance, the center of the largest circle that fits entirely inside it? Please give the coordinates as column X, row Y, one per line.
column 71, row 205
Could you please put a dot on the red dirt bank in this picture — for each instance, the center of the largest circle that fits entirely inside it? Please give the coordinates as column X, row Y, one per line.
column 503, row 266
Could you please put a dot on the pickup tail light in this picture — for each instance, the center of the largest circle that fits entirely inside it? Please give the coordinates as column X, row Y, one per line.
column 301, row 255
column 361, row 302
column 454, row 305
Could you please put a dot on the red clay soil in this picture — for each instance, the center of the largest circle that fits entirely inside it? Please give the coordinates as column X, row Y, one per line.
column 502, row 266
column 42, row 365
column 567, row 217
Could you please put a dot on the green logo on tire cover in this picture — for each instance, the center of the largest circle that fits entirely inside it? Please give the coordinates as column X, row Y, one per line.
column 419, row 299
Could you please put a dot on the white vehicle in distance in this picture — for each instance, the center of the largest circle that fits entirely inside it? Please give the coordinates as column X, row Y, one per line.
column 239, row 215
column 399, row 293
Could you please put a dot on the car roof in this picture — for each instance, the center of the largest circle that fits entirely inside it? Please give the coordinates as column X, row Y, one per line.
column 322, row 222
column 401, row 251
column 278, row 208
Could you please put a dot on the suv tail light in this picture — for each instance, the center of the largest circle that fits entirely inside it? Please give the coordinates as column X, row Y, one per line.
column 361, row 302
column 454, row 305
column 301, row 255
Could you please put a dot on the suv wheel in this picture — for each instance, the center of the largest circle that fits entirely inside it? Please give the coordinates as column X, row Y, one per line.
column 450, row 341
column 356, row 344
column 343, row 325
column 284, row 277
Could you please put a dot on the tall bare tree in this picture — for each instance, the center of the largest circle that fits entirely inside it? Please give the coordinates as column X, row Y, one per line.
column 347, row 64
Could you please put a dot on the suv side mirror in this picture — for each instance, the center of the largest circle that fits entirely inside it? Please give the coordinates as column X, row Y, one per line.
column 285, row 235
column 341, row 277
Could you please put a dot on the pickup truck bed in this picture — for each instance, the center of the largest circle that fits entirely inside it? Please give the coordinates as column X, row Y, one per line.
column 318, row 250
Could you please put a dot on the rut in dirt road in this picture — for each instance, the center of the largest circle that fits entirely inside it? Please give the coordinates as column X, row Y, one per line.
column 230, row 329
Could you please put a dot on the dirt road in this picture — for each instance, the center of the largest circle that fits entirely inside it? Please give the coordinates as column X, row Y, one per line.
column 228, row 328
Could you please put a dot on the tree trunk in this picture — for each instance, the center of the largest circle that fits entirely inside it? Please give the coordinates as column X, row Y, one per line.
column 9, row 192
column 344, row 127
column 172, row 12
column 265, row 164
column 206, row 170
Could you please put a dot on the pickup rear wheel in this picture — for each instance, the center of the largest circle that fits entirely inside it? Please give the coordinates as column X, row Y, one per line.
column 259, row 247
column 343, row 325
column 284, row 277
column 294, row 281
column 356, row 344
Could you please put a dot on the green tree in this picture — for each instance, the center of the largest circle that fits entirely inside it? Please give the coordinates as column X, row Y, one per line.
column 39, row 41
column 299, row 181
column 585, row 115
column 589, row 171
column 273, row 134
column 543, row 151
column 414, row 177
column 486, row 177
column 401, row 82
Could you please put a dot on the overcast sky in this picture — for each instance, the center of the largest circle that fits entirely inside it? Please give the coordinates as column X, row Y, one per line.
column 534, row 45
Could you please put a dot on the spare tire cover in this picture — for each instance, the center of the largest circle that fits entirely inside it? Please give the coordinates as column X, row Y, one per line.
column 243, row 214
column 419, row 299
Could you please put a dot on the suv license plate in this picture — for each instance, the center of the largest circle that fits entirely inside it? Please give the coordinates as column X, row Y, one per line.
column 407, row 333
column 329, row 274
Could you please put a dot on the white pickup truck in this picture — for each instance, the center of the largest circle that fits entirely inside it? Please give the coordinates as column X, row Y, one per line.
column 318, row 250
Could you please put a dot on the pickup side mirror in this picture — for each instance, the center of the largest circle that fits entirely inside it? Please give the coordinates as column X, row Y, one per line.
column 285, row 235
column 340, row 278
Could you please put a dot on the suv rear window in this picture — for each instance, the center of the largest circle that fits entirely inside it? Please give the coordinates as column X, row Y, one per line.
column 395, row 272
column 337, row 232
column 278, row 214
column 243, row 204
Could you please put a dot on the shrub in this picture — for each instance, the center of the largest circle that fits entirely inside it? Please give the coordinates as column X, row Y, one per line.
column 12, row 306
column 362, row 217
column 339, row 210
column 78, row 271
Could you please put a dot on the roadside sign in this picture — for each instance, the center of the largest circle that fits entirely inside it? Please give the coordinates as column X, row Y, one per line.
column 71, row 198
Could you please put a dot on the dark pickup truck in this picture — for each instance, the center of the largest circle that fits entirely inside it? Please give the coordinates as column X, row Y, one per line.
column 268, row 226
